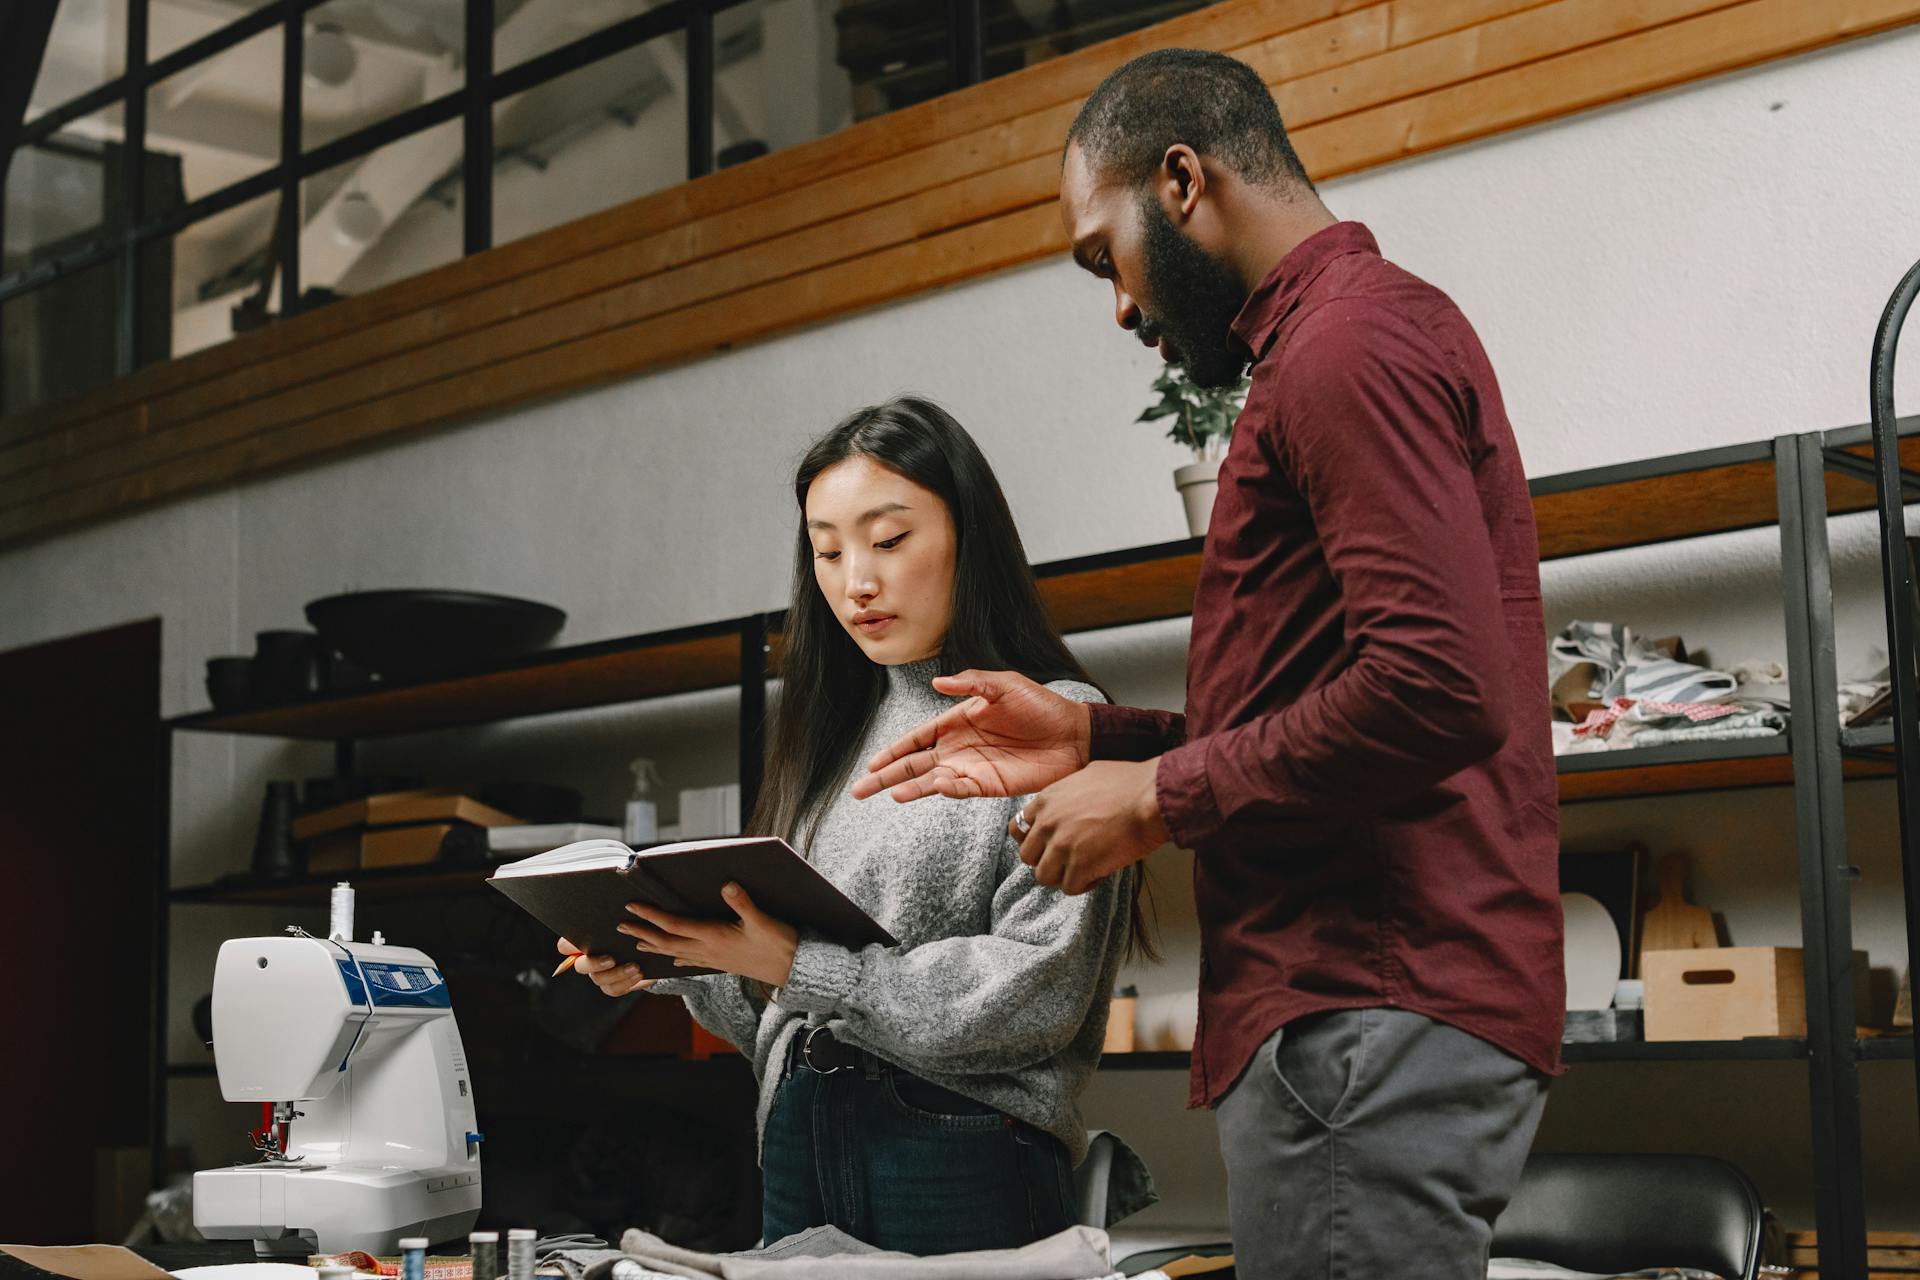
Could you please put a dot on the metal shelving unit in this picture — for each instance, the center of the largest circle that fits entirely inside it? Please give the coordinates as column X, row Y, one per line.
column 1792, row 482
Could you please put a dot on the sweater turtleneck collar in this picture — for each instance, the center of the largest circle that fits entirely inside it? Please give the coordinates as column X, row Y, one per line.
column 912, row 681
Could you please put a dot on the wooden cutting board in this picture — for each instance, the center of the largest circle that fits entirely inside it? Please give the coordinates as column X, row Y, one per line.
column 1672, row 923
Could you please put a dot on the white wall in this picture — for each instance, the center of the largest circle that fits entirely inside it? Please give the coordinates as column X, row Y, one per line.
column 1682, row 271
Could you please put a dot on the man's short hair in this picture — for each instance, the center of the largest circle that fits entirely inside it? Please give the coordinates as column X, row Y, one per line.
column 1217, row 105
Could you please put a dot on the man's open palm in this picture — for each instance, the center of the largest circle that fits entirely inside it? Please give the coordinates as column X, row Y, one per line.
column 1011, row 737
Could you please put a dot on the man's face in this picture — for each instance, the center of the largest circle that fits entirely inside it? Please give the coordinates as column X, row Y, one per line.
column 1168, row 291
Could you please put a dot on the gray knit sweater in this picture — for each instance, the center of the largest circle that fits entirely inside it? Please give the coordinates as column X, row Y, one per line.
column 999, row 987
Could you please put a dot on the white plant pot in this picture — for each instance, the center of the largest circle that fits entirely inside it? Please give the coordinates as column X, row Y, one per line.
column 1198, row 482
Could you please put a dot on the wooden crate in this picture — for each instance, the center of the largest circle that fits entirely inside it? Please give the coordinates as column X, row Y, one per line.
column 1732, row 993
column 1724, row 993
column 1891, row 1255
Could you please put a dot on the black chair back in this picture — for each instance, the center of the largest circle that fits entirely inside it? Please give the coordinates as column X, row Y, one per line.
column 1621, row 1213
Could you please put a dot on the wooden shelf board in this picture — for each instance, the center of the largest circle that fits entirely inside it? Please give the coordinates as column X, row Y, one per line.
column 1609, row 508
column 1626, row 775
column 1687, row 496
column 1600, row 776
column 564, row 680
column 375, row 884
column 1634, row 504
column 1755, row 1050
column 1893, row 1047
column 1145, row 584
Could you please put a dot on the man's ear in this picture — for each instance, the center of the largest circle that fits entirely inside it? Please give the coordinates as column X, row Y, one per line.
column 1183, row 180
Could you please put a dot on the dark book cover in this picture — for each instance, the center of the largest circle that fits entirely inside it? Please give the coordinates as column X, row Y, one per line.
column 586, row 907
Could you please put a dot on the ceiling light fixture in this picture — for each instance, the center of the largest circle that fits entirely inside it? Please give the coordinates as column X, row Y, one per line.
column 357, row 220
column 329, row 55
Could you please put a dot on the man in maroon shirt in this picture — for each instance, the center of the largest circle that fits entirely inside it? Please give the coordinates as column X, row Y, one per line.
column 1364, row 770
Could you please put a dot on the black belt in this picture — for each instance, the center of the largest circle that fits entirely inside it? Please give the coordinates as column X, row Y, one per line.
column 816, row 1049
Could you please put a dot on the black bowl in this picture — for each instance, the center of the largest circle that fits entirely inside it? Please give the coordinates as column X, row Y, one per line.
column 286, row 665
column 230, row 683
column 412, row 635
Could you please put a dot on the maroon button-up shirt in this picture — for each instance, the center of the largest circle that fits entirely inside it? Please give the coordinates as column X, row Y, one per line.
column 1365, row 770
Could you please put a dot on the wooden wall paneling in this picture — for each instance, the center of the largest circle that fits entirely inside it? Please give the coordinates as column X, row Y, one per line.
column 902, row 189
column 995, row 192
column 876, row 145
column 1406, row 71
column 1009, row 144
column 1417, row 20
column 1320, row 48
column 1676, row 53
column 1069, row 77
column 708, row 326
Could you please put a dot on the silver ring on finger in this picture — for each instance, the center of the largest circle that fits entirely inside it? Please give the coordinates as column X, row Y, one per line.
column 1021, row 822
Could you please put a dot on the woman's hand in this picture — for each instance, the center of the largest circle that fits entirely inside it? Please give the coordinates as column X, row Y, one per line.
column 608, row 974
column 756, row 946
column 1011, row 737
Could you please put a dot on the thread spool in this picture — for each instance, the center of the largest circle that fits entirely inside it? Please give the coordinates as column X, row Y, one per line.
column 413, row 1258
column 340, row 919
column 520, row 1253
column 485, row 1248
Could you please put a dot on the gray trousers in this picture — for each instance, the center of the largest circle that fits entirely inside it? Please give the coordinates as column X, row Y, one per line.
column 1374, row 1144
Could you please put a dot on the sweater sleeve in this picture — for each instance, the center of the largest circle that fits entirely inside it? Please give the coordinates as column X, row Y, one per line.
column 720, row 1002
column 994, row 1002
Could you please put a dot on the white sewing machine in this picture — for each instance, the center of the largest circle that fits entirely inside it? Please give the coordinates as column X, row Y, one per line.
column 372, row 1133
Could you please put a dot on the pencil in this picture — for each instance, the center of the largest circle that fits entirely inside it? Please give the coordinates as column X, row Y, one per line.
column 567, row 964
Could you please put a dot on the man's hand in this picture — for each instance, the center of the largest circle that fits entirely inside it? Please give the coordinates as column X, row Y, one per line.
column 1010, row 737
column 608, row 974
column 1085, row 828
column 756, row 946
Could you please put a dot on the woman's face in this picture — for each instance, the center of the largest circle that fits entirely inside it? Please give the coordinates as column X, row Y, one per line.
column 883, row 556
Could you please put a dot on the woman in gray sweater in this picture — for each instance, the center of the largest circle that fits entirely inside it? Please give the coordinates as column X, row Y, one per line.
column 922, row 1097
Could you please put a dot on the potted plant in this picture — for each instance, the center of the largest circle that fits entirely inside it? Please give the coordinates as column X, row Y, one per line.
column 1202, row 420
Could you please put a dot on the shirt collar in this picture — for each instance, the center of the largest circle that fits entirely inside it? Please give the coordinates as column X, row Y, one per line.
column 1287, row 283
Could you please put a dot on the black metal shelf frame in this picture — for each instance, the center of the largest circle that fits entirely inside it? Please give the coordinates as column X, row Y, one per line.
column 1831, row 1053
column 471, row 104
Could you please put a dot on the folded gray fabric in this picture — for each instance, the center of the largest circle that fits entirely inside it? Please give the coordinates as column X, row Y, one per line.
column 1629, row 667
column 827, row 1253
column 1744, row 724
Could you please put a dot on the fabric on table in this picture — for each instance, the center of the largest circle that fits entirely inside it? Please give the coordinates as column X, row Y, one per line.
column 827, row 1253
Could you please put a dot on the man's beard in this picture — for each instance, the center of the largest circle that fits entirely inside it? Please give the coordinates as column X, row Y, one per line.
column 1196, row 299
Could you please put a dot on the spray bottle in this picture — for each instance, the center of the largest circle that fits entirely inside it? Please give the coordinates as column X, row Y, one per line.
column 643, row 815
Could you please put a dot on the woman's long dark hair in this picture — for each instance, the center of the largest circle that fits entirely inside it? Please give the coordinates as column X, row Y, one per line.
column 831, row 689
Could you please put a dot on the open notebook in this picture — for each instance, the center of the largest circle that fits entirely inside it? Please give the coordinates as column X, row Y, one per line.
column 580, row 891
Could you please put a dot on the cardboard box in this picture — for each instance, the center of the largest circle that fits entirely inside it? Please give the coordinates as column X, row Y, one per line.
column 425, row 842
column 1120, row 1029
column 1731, row 993
column 398, row 808
column 86, row 1261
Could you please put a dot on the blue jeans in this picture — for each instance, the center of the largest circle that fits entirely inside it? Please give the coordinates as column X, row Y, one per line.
column 903, row 1164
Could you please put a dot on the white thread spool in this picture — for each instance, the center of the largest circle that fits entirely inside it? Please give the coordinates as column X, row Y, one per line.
column 520, row 1253
column 340, row 923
